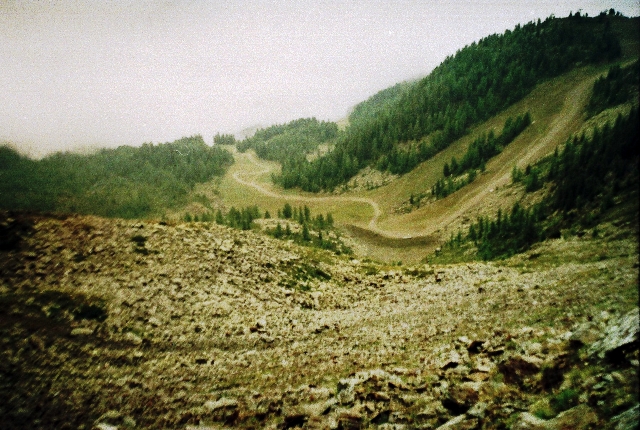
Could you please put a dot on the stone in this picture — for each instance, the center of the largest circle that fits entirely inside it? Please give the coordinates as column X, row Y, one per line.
column 461, row 397
column 105, row 426
column 379, row 396
column 478, row 410
column 318, row 408
column 474, row 346
column 621, row 334
column 519, row 367
column 223, row 403
column 346, row 395
column 350, row 420
column 133, row 338
column 295, row 419
column 226, row 245
column 528, row 421
column 585, row 334
column 478, row 376
column 582, row 417
column 461, row 422
column 628, row 420
column 154, row 322
column 448, row 360
column 431, row 410
column 81, row 331
column 221, row 309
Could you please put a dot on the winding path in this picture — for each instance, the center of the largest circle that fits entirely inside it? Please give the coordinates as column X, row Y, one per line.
column 563, row 123
column 377, row 212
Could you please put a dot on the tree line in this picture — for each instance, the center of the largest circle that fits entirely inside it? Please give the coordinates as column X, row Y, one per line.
column 619, row 86
column 126, row 182
column 481, row 150
column 291, row 142
column 315, row 231
column 586, row 176
column 408, row 125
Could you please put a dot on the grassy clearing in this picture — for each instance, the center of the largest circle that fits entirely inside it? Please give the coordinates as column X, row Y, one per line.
column 268, row 196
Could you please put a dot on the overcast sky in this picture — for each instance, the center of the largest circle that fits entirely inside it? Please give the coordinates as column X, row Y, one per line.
column 77, row 74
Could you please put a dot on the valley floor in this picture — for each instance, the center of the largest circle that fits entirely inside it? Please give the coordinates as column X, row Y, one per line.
column 118, row 324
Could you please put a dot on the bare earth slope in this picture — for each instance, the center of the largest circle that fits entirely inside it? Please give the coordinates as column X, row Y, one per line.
column 112, row 324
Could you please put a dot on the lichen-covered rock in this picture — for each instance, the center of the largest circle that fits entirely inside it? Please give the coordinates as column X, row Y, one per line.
column 621, row 335
column 628, row 420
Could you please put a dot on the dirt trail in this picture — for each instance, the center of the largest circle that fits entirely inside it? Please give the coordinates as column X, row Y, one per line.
column 563, row 123
column 377, row 212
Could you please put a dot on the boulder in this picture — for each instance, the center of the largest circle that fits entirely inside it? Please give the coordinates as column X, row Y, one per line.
column 620, row 336
column 224, row 403
column 81, row 331
column 582, row 417
column 350, row 420
column 449, row 360
column 519, row 368
column 461, row 422
column 527, row 421
column 461, row 397
column 585, row 334
column 132, row 338
column 627, row 420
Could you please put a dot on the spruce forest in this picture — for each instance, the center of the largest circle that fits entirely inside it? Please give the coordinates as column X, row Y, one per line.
column 410, row 123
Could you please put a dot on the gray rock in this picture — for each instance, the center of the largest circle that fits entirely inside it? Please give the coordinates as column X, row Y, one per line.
column 448, row 360
column 621, row 333
column 104, row 426
column 461, row 397
column 350, row 420
column 224, row 403
column 527, row 421
column 627, row 420
column 132, row 338
column 581, row 417
column 81, row 331
column 461, row 422
column 585, row 334
column 478, row 410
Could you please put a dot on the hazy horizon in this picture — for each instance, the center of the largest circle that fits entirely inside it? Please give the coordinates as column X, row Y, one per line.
column 80, row 74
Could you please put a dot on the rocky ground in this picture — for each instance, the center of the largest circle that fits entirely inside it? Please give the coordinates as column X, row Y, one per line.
column 111, row 324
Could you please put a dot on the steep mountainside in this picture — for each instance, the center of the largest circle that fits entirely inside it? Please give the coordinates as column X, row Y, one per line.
column 112, row 324
column 482, row 79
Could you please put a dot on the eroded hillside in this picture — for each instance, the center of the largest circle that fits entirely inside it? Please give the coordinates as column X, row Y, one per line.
column 118, row 324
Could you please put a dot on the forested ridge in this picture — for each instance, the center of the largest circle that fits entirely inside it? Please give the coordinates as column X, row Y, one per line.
column 620, row 85
column 290, row 142
column 410, row 123
column 125, row 182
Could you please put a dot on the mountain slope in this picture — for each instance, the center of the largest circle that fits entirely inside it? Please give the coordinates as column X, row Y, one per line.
column 393, row 234
column 475, row 84
column 142, row 325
